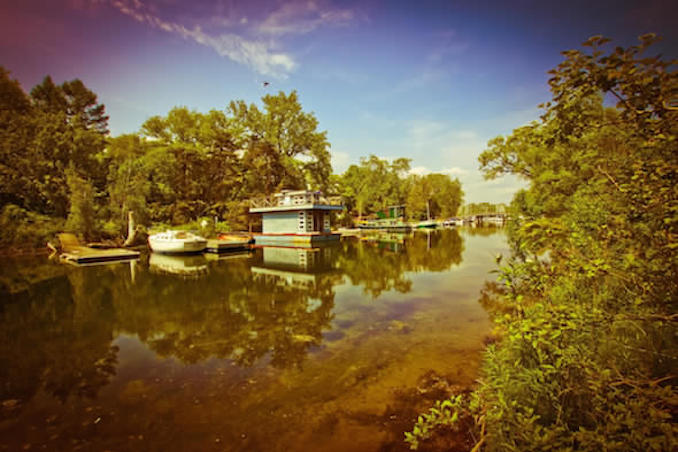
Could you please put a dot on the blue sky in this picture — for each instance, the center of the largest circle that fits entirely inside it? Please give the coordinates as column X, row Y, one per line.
column 427, row 80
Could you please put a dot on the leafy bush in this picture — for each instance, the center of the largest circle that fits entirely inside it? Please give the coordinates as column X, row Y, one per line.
column 587, row 301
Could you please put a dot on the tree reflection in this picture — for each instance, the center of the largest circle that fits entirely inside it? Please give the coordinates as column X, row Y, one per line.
column 273, row 304
column 54, row 337
column 379, row 262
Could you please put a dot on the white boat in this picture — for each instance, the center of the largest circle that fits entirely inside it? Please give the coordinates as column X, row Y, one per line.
column 454, row 221
column 176, row 242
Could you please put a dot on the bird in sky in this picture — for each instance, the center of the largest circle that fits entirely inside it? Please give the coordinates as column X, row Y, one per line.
column 266, row 84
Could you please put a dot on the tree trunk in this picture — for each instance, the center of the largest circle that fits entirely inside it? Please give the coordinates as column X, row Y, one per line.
column 131, row 230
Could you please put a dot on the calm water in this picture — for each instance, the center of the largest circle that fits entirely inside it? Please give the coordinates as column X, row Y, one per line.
column 333, row 349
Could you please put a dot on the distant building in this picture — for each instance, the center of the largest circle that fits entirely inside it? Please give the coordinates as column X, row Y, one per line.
column 295, row 218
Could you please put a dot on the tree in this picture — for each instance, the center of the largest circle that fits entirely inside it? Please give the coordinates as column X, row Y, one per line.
column 287, row 136
column 15, row 138
column 54, row 128
column 434, row 196
column 192, row 161
column 375, row 184
column 129, row 184
column 81, row 214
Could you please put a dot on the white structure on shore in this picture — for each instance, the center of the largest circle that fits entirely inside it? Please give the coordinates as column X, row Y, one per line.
column 295, row 217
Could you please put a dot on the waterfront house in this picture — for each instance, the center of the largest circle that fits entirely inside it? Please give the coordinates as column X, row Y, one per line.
column 295, row 218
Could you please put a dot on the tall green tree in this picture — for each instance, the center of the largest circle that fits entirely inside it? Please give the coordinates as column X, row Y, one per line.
column 434, row 196
column 375, row 184
column 56, row 127
column 193, row 162
column 282, row 144
column 16, row 135
column 82, row 211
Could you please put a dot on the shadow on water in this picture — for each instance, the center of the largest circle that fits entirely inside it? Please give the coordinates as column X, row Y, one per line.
column 330, row 348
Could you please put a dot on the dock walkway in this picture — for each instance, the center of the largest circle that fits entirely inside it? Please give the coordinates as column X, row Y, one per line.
column 74, row 252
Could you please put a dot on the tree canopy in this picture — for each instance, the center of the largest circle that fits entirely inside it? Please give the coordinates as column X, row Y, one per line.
column 54, row 128
column 375, row 184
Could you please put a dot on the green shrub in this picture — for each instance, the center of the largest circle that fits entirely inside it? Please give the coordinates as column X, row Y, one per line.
column 23, row 229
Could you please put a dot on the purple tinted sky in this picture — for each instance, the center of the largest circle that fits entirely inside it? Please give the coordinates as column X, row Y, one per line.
column 432, row 81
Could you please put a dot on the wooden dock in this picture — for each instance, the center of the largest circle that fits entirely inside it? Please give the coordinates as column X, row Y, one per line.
column 75, row 253
column 228, row 244
column 86, row 255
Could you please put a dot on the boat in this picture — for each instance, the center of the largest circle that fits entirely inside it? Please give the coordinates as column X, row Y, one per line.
column 176, row 242
column 454, row 221
column 385, row 225
column 428, row 224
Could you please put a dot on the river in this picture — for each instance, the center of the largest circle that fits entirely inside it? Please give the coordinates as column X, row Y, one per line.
column 280, row 349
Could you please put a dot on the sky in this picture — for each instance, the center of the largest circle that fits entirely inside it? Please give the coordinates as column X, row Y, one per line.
column 432, row 81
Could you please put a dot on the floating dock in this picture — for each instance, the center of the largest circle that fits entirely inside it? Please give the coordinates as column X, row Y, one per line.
column 227, row 245
column 295, row 240
column 86, row 255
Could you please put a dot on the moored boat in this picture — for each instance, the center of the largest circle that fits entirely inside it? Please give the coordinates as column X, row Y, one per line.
column 176, row 242
column 428, row 224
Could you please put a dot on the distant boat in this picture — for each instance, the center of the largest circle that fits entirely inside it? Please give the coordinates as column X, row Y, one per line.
column 453, row 222
column 392, row 225
column 428, row 224
column 176, row 242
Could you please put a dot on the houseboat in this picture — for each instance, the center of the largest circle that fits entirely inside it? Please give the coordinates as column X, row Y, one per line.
column 295, row 218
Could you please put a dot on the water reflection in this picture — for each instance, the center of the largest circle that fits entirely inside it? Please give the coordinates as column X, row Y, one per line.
column 186, row 266
column 268, row 309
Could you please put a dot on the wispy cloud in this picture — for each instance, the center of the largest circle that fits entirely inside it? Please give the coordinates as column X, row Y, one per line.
column 257, row 54
column 302, row 17
column 245, row 40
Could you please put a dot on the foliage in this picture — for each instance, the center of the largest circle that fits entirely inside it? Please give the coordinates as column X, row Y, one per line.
column 433, row 196
column 26, row 229
column 48, row 131
column 377, row 184
column 81, row 215
column 588, row 299
column 192, row 162
column 475, row 208
column 445, row 414
column 374, row 185
column 283, row 148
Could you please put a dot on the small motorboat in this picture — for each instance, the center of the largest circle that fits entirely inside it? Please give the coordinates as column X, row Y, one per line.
column 176, row 242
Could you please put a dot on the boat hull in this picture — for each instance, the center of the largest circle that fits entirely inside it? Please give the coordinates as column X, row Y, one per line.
column 177, row 247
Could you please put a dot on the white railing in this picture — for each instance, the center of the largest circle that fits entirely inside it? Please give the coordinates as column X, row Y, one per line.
column 296, row 200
